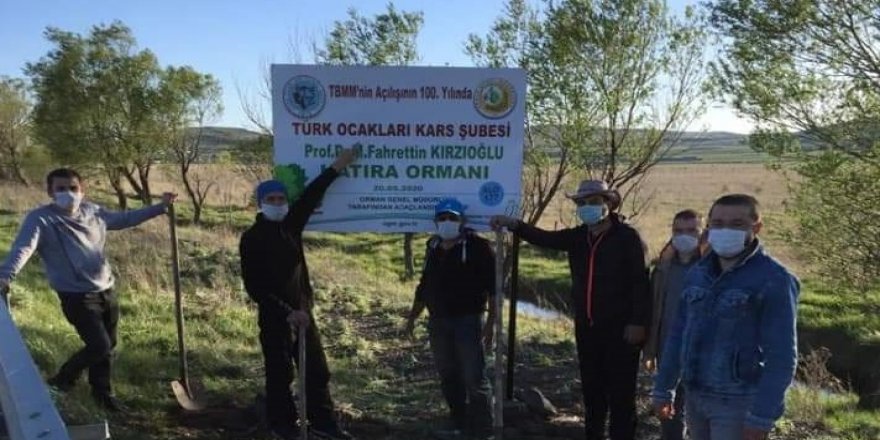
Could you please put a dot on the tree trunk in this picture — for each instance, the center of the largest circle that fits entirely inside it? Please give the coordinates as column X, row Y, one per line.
column 409, row 263
column 17, row 172
column 144, row 177
column 19, row 175
column 116, row 182
column 129, row 176
column 196, row 200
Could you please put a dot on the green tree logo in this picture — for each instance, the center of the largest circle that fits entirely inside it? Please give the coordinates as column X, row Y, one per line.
column 294, row 179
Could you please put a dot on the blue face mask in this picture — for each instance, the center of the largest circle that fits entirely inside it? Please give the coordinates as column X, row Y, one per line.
column 591, row 214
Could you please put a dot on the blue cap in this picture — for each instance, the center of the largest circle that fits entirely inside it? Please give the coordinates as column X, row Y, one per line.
column 267, row 187
column 449, row 205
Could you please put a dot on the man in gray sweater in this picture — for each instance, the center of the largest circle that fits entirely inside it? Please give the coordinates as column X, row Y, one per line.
column 70, row 234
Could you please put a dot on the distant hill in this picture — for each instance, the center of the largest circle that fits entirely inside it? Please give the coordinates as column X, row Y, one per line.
column 218, row 139
column 694, row 147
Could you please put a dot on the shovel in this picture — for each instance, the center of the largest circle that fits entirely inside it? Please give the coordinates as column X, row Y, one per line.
column 183, row 387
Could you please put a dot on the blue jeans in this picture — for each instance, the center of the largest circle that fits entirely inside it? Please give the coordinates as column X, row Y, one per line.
column 713, row 417
column 461, row 363
column 673, row 429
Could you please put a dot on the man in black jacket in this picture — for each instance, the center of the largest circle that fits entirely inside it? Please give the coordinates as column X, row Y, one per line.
column 457, row 281
column 277, row 279
column 612, row 304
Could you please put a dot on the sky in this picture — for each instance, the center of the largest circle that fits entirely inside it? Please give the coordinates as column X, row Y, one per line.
column 234, row 39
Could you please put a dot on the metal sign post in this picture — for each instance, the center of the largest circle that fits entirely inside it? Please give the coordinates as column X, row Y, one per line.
column 499, row 330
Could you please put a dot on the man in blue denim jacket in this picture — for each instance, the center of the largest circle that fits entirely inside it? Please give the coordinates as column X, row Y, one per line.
column 734, row 343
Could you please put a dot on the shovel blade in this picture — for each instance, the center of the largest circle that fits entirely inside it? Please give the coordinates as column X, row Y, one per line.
column 187, row 400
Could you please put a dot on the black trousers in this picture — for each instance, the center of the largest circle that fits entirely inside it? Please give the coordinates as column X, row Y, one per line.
column 95, row 316
column 279, row 355
column 609, row 372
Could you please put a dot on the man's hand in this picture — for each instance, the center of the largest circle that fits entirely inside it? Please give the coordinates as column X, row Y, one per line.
column 635, row 334
column 488, row 334
column 345, row 158
column 298, row 318
column 664, row 411
column 500, row 221
column 168, row 198
column 750, row 433
column 650, row 365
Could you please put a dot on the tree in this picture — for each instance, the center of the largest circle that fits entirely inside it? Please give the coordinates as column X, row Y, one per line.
column 612, row 85
column 191, row 99
column 15, row 118
column 388, row 38
column 100, row 105
column 808, row 74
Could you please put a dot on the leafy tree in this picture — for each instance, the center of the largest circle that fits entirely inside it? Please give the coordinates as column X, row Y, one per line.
column 612, row 85
column 15, row 119
column 103, row 104
column 808, row 74
column 190, row 99
column 387, row 39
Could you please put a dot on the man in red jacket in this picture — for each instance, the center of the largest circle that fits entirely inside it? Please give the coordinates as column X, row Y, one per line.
column 612, row 303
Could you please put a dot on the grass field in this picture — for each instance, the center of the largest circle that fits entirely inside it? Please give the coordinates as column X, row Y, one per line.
column 384, row 385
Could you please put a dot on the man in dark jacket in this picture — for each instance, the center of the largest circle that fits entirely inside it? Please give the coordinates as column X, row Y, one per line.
column 612, row 304
column 667, row 283
column 277, row 279
column 457, row 280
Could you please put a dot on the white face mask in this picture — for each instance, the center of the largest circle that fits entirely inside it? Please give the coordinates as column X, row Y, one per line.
column 68, row 200
column 448, row 230
column 727, row 243
column 685, row 243
column 274, row 213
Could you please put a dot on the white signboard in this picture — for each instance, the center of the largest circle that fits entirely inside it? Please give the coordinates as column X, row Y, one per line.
column 423, row 134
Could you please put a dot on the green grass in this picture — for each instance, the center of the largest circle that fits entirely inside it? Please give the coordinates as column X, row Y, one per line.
column 379, row 378
column 837, row 413
column 855, row 314
column 381, row 381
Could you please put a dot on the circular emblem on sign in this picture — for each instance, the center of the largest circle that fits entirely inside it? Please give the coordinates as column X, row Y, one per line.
column 304, row 96
column 491, row 193
column 495, row 98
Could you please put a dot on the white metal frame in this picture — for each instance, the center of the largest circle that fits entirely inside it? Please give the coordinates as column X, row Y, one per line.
column 25, row 403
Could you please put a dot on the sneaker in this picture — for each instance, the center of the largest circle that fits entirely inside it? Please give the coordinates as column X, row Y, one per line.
column 330, row 433
column 109, row 403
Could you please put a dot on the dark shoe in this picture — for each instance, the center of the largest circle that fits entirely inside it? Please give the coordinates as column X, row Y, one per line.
column 60, row 385
column 109, row 403
column 330, row 433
